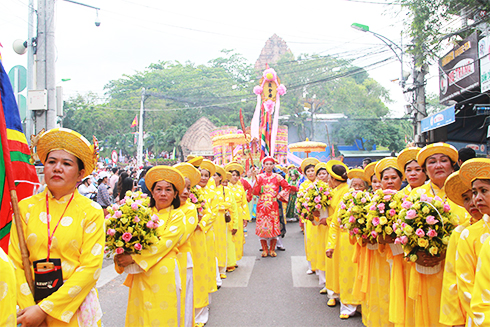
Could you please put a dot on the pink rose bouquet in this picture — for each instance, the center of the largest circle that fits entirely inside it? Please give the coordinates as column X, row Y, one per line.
column 425, row 226
column 197, row 198
column 315, row 197
column 131, row 227
column 352, row 214
column 383, row 214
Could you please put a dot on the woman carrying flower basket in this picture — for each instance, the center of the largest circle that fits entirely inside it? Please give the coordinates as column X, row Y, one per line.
column 186, row 256
column 338, row 247
column 155, row 292
column 319, row 192
column 415, row 174
column 352, row 214
column 308, row 168
column 474, row 261
column 455, row 310
column 64, row 230
column 370, row 175
column 208, row 169
column 381, row 215
column 427, row 232
column 400, row 303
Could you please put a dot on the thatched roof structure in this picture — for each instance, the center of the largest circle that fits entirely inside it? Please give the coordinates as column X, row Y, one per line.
column 197, row 139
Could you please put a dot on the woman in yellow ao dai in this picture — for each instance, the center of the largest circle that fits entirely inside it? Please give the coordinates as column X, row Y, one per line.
column 243, row 213
column 377, row 302
column 225, row 231
column 342, row 273
column 208, row 186
column 425, row 281
column 308, row 168
column 8, row 292
column 460, row 266
column 78, row 241
column 155, row 292
column 472, row 264
column 186, row 255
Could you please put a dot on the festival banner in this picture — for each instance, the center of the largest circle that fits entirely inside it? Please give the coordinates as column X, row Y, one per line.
column 15, row 161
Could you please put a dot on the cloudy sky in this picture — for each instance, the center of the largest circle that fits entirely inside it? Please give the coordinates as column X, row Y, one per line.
column 136, row 33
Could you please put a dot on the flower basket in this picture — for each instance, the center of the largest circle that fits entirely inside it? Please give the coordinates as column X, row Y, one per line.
column 313, row 198
column 425, row 226
column 382, row 215
column 197, row 198
column 352, row 214
column 130, row 227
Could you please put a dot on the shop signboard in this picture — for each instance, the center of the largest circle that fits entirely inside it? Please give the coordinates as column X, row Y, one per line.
column 459, row 70
column 484, row 55
column 439, row 119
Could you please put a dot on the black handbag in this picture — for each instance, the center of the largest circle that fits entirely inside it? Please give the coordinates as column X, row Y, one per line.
column 48, row 278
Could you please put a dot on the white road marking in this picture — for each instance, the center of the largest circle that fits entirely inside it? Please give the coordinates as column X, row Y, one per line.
column 299, row 266
column 241, row 276
column 106, row 275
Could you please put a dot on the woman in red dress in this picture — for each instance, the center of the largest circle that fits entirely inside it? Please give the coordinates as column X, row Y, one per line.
column 267, row 187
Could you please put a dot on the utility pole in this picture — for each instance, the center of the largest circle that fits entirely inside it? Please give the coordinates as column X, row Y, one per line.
column 30, row 66
column 419, row 73
column 140, row 130
column 45, row 63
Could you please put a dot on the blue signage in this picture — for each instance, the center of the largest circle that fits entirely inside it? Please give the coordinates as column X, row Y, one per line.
column 440, row 119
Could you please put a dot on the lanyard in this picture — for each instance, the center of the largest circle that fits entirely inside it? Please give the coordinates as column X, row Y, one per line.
column 48, row 218
column 435, row 194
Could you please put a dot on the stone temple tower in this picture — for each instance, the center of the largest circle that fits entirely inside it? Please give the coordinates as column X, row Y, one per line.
column 274, row 48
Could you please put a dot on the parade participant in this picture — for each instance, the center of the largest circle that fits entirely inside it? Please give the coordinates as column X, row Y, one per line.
column 323, row 268
column 237, row 189
column 415, row 174
column 455, row 309
column 339, row 250
column 472, row 260
column 379, row 308
column 267, row 187
column 208, row 169
column 358, row 179
column 8, row 297
column 220, row 222
column 308, row 167
column 291, row 213
column 426, row 275
column 185, row 257
column 155, row 292
column 227, row 209
column 206, row 224
column 371, row 176
column 63, row 229
column 251, row 198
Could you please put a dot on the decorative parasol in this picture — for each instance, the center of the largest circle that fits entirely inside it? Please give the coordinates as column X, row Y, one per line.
column 231, row 140
column 307, row 147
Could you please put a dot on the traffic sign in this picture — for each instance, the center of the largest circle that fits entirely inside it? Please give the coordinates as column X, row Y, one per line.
column 18, row 78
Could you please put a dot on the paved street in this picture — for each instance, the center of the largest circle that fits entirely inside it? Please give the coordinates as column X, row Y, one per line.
column 261, row 292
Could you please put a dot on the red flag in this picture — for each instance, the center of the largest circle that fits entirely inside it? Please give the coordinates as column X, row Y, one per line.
column 135, row 121
column 16, row 172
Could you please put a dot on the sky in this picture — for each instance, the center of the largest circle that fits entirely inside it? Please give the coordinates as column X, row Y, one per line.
column 134, row 34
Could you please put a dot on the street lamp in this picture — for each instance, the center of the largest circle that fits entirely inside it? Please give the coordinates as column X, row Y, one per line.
column 389, row 43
